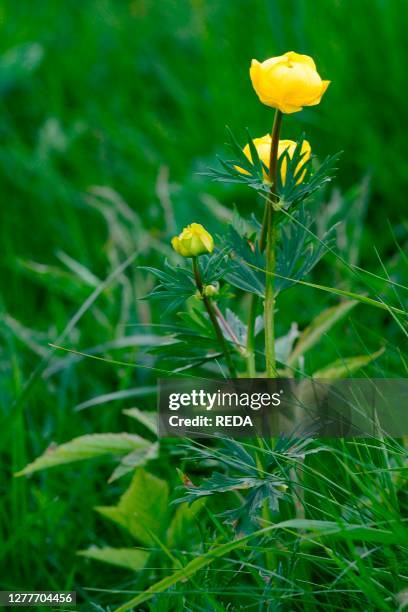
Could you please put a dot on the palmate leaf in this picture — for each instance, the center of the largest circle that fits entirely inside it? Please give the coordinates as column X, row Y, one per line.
column 270, row 489
column 194, row 343
column 242, row 474
column 289, row 193
column 248, row 263
column 298, row 252
column 231, row 174
column 177, row 284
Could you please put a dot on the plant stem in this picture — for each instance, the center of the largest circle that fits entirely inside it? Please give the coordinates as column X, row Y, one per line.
column 271, row 236
column 273, row 164
column 227, row 327
column 213, row 318
column 250, row 346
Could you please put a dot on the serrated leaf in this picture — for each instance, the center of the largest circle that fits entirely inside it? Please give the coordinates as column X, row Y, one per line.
column 87, row 447
column 318, row 327
column 143, row 507
column 342, row 368
column 129, row 558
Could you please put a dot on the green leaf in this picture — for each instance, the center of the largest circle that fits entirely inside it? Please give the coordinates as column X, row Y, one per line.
column 298, row 252
column 177, row 283
column 183, row 522
column 142, row 509
column 318, row 327
column 341, row 368
column 129, row 558
column 290, row 193
column 313, row 529
column 87, row 447
column 148, row 419
column 136, row 458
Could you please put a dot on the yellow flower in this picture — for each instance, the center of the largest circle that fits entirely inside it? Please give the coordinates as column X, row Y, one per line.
column 263, row 147
column 287, row 82
column 194, row 240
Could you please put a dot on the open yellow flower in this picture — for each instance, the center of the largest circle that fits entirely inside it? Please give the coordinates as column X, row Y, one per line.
column 287, row 82
column 263, row 147
column 194, row 240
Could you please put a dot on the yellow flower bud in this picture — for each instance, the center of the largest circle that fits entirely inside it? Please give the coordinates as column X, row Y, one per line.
column 263, row 147
column 194, row 240
column 287, row 82
column 210, row 290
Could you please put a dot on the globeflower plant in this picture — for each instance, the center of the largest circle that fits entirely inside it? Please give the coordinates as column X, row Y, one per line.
column 228, row 299
column 222, row 284
column 266, row 254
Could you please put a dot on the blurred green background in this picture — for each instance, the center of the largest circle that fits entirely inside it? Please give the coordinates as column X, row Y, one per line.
column 105, row 93
column 108, row 111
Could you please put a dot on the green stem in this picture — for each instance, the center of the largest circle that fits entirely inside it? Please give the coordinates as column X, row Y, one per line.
column 213, row 318
column 271, row 236
column 273, row 165
column 250, row 346
column 224, row 323
column 270, row 300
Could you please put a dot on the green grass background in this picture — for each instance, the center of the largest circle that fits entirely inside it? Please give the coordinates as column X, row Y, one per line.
column 122, row 95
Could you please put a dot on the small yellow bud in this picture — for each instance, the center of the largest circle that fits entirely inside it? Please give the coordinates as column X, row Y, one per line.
column 210, row 290
column 263, row 148
column 282, row 487
column 194, row 240
column 287, row 82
